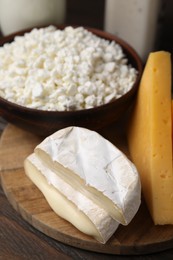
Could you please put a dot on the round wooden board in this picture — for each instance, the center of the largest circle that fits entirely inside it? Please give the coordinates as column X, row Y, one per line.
column 139, row 237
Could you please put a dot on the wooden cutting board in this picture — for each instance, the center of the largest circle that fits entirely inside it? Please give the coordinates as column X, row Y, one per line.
column 139, row 237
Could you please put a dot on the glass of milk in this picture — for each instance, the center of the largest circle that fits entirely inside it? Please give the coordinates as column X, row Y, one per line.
column 16, row 15
column 135, row 21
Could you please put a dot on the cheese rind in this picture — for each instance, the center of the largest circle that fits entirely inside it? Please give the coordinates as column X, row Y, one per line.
column 70, row 204
column 95, row 167
column 150, row 137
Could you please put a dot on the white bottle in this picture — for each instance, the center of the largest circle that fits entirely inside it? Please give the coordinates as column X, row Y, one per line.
column 135, row 21
column 16, row 15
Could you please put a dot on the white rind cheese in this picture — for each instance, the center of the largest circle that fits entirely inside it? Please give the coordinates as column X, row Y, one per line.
column 70, row 204
column 95, row 168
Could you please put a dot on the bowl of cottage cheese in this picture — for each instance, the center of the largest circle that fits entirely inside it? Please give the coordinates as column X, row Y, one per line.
column 51, row 78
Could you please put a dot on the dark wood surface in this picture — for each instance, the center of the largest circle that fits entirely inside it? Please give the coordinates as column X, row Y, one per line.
column 18, row 239
column 16, row 144
column 21, row 240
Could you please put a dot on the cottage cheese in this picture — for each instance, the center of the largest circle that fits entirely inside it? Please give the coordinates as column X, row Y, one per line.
column 63, row 70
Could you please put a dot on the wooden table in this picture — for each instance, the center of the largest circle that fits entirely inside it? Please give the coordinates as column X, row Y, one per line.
column 18, row 239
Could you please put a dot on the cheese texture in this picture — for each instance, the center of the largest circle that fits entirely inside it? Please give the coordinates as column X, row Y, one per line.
column 94, row 167
column 62, row 70
column 150, row 137
column 87, row 217
column 86, row 180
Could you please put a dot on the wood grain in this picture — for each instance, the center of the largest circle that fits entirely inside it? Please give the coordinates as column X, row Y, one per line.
column 139, row 237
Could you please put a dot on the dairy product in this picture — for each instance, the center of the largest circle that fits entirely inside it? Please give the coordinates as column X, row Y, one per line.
column 62, row 70
column 135, row 21
column 70, row 204
column 90, row 163
column 150, row 137
column 22, row 14
column 88, row 174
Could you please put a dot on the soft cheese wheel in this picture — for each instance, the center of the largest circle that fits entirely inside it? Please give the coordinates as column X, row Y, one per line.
column 150, row 137
column 70, row 204
column 94, row 167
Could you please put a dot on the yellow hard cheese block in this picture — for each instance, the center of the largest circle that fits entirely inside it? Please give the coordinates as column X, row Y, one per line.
column 150, row 137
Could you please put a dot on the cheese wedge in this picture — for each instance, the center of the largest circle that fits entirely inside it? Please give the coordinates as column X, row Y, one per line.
column 70, row 204
column 94, row 167
column 150, row 137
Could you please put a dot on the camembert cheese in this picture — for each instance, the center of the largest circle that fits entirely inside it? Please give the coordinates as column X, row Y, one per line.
column 92, row 175
column 150, row 137
column 69, row 203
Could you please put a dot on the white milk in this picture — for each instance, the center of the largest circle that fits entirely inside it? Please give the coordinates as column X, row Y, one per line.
column 135, row 21
column 17, row 15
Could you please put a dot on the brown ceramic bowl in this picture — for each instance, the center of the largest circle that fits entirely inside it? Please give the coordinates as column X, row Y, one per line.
column 46, row 122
